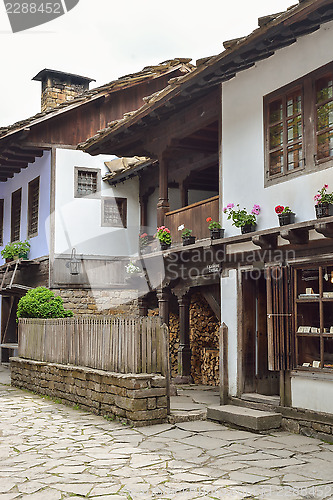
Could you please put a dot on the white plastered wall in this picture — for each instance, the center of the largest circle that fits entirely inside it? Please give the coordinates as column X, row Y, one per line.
column 78, row 220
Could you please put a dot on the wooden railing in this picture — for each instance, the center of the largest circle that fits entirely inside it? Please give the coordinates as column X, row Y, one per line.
column 193, row 217
column 135, row 345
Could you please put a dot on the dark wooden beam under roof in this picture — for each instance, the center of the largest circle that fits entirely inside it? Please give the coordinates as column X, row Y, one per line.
column 12, row 163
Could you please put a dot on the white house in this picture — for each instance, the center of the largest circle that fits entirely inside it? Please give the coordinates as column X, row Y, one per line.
column 82, row 230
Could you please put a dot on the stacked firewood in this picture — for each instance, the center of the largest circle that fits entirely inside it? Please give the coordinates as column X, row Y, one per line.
column 204, row 335
column 173, row 340
column 210, row 366
column 204, row 341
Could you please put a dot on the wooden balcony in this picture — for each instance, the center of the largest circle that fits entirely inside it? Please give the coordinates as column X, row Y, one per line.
column 193, row 217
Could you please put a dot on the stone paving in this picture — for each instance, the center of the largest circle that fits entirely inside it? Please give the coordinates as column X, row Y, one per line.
column 50, row 452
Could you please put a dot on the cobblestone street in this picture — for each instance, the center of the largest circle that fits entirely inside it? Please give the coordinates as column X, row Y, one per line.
column 49, row 451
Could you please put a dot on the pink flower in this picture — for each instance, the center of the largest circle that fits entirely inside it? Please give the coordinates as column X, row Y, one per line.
column 325, row 186
column 255, row 210
column 230, row 205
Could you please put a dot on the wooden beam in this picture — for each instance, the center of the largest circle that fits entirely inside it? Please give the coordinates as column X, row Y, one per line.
column 10, row 163
column 265, row 241
column 325, row 228
column 295, row 236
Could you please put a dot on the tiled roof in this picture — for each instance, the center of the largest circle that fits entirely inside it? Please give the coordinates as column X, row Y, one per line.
column 123, row 168
column 149, row 72
column 275, row 31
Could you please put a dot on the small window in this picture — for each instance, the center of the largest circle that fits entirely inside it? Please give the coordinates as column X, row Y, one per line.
column 324, row 111
column 87, row 182
column 1, row 221
column 285, row 134
column 114, row 212
column 33, row 207
column 16, row 215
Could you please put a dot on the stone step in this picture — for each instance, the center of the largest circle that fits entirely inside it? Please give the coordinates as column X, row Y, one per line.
column 247, row 418
column 255, row 405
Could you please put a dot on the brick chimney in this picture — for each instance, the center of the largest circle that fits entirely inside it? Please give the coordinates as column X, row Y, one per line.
column 59, row 87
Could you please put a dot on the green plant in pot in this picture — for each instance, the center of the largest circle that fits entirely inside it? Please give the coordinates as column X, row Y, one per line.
column 187, row 237
column 164, row 236
column 15, row 250
column 323, row 202
column 216, row 232
column 285, row 215
column 241, row 218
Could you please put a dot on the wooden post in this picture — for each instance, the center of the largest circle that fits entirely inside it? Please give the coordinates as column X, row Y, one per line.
column 143, row 306
column 163, row 297
column 184, row 351
column 224, row 379
column 183, row 187
column 163, row 202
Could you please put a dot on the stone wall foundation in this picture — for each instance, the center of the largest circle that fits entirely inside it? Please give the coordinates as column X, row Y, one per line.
column 140, row 399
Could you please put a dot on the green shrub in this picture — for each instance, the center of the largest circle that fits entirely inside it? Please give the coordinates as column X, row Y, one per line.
column 40, row 302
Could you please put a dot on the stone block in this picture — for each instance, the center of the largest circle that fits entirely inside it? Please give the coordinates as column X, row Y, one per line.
column 245, row 417
column 161, row 402
column 146, row 393
column 327, row 429
column 147, row 415
column 130, row 404
column 158, row 381
column 151, row 403
column 290, row 425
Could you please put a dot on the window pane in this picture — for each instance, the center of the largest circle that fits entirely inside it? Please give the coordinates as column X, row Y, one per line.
column 294, row 104
column 276, row 163
column 294, row 129
column 295, row 157
column 325, row 116
column 33, row 205
column 325, row 145
column 275, row 111
column 87, row 183
column 324, row 89
column 111, row 213
column 275, row 136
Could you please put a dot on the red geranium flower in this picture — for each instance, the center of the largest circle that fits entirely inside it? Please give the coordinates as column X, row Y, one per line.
column 279, row 209
column 209, row 219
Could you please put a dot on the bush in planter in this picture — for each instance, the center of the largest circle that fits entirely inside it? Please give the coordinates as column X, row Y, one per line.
column 16, row 249
column 187, row 237
column 215, row 229
column 40, row 302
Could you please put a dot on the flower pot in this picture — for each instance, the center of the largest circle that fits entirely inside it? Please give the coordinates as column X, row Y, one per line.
column 216, row 234
column 324, row 210
column 165, row 246
column 287, row 218
column 23, row 256
column 188, row 240
column 248, row 228
column 8, row 259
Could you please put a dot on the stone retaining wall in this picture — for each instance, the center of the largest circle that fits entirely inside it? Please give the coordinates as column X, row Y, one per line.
column 140, row 399
column 308, row 423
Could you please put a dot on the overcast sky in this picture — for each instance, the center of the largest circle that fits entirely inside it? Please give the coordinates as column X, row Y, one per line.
column 105, row 39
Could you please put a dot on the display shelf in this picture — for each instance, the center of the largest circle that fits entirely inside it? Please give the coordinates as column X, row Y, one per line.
column 313, row 348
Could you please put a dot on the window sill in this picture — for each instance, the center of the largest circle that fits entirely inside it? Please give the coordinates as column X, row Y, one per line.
column 315, row 167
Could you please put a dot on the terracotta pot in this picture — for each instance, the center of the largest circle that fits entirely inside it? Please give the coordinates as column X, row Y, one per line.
column 216, row 234
column 188, row 240
column 285, row 219
column 324, row 210
column 248, row 228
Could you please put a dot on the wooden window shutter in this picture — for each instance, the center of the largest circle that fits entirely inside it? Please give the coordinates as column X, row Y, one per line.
column 279, row 318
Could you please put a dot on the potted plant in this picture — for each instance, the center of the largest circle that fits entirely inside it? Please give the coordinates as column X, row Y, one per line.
column 216, row 232
column 323, row 203
column 15, row 250
column 164, row 235
column 285, row 215
column 241, row 218
column 187, row 237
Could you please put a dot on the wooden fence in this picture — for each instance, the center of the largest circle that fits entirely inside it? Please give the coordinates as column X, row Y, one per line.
column 135, row 345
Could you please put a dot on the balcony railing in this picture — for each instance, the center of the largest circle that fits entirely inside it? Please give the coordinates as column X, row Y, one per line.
column 193, row 217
